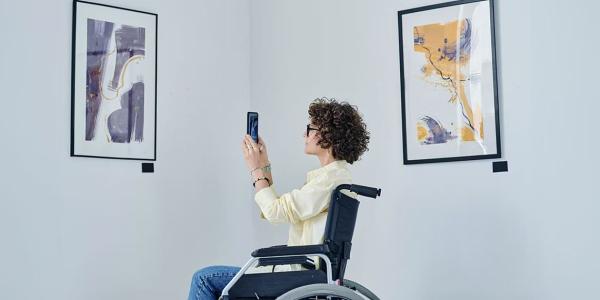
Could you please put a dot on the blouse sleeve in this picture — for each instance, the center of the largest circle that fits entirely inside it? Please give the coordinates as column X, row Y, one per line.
column 297, row 205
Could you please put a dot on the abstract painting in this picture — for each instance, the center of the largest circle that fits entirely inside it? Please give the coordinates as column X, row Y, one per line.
column 113, row 82
column 448, row 82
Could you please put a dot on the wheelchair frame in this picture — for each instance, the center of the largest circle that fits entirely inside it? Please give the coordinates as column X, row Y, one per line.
column 336, row 247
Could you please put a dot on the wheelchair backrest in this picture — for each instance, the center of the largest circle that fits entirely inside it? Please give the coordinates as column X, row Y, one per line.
column 341, row 220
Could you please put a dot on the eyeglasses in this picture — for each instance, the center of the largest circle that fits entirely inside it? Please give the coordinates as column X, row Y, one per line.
column 308, row 129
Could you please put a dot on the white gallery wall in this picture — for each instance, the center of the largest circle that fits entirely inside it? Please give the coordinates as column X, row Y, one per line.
column 78, row 228
column 451, row 230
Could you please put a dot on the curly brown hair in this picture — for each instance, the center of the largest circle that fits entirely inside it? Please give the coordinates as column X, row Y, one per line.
column 341, row 127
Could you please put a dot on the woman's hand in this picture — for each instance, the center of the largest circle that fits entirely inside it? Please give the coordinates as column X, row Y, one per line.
column 255, row 154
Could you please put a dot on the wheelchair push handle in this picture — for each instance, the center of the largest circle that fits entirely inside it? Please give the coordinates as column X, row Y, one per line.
column 366, row 191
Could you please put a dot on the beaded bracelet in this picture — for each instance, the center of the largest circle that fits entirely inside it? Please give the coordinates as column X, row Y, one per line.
column 261, row 178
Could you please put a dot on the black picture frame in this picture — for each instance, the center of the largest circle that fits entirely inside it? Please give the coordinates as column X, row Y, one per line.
column 406, row 156
column 73, row 149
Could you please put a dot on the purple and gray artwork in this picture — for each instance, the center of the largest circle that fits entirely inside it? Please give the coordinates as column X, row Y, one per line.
column 434, row 132
column 114, row 82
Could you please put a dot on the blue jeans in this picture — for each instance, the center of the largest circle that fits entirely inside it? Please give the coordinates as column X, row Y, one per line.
column 209, row 282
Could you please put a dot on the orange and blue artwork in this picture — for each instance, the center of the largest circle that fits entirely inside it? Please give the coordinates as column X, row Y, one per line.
column 448, row 82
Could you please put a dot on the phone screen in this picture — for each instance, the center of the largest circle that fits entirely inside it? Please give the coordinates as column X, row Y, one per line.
column 252, row 126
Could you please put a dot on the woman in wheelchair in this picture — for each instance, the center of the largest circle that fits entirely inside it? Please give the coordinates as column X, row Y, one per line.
column 337, row 136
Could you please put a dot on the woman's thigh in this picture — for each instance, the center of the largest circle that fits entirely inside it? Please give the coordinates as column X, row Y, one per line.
column 215, row 278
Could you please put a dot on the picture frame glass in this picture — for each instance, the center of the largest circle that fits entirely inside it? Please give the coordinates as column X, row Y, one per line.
column 113, row 82
column 449, row 90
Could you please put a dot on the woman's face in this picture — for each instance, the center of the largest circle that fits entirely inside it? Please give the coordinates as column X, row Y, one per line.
column 311, row 140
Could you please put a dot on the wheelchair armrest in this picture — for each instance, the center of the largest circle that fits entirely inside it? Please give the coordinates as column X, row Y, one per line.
column 285, row 260
column 291, row 250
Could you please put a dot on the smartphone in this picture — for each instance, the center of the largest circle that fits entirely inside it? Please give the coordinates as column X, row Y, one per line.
column 252, row 125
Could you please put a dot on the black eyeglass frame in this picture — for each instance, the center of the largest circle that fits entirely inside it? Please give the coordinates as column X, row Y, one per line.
column 308, row 129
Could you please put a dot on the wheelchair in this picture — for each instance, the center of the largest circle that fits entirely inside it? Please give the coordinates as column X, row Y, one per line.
column 326, row 282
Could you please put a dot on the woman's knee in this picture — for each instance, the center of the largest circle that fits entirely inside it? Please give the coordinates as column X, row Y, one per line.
column 202, row 274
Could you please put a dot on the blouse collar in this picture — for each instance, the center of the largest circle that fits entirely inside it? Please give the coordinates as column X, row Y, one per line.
column 338, row 164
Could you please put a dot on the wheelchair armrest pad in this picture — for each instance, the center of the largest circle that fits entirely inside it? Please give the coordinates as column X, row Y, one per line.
column 291, row 250
column 285, row 260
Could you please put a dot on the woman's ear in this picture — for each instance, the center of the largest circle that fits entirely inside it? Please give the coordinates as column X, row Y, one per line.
column 318, row 137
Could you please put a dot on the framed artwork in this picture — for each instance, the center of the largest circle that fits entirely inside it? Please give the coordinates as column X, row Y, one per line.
column 448, row 81
column 113, row 82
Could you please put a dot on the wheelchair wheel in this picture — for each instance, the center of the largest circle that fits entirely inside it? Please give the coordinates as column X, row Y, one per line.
column 321, row 290
column 360, row 288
